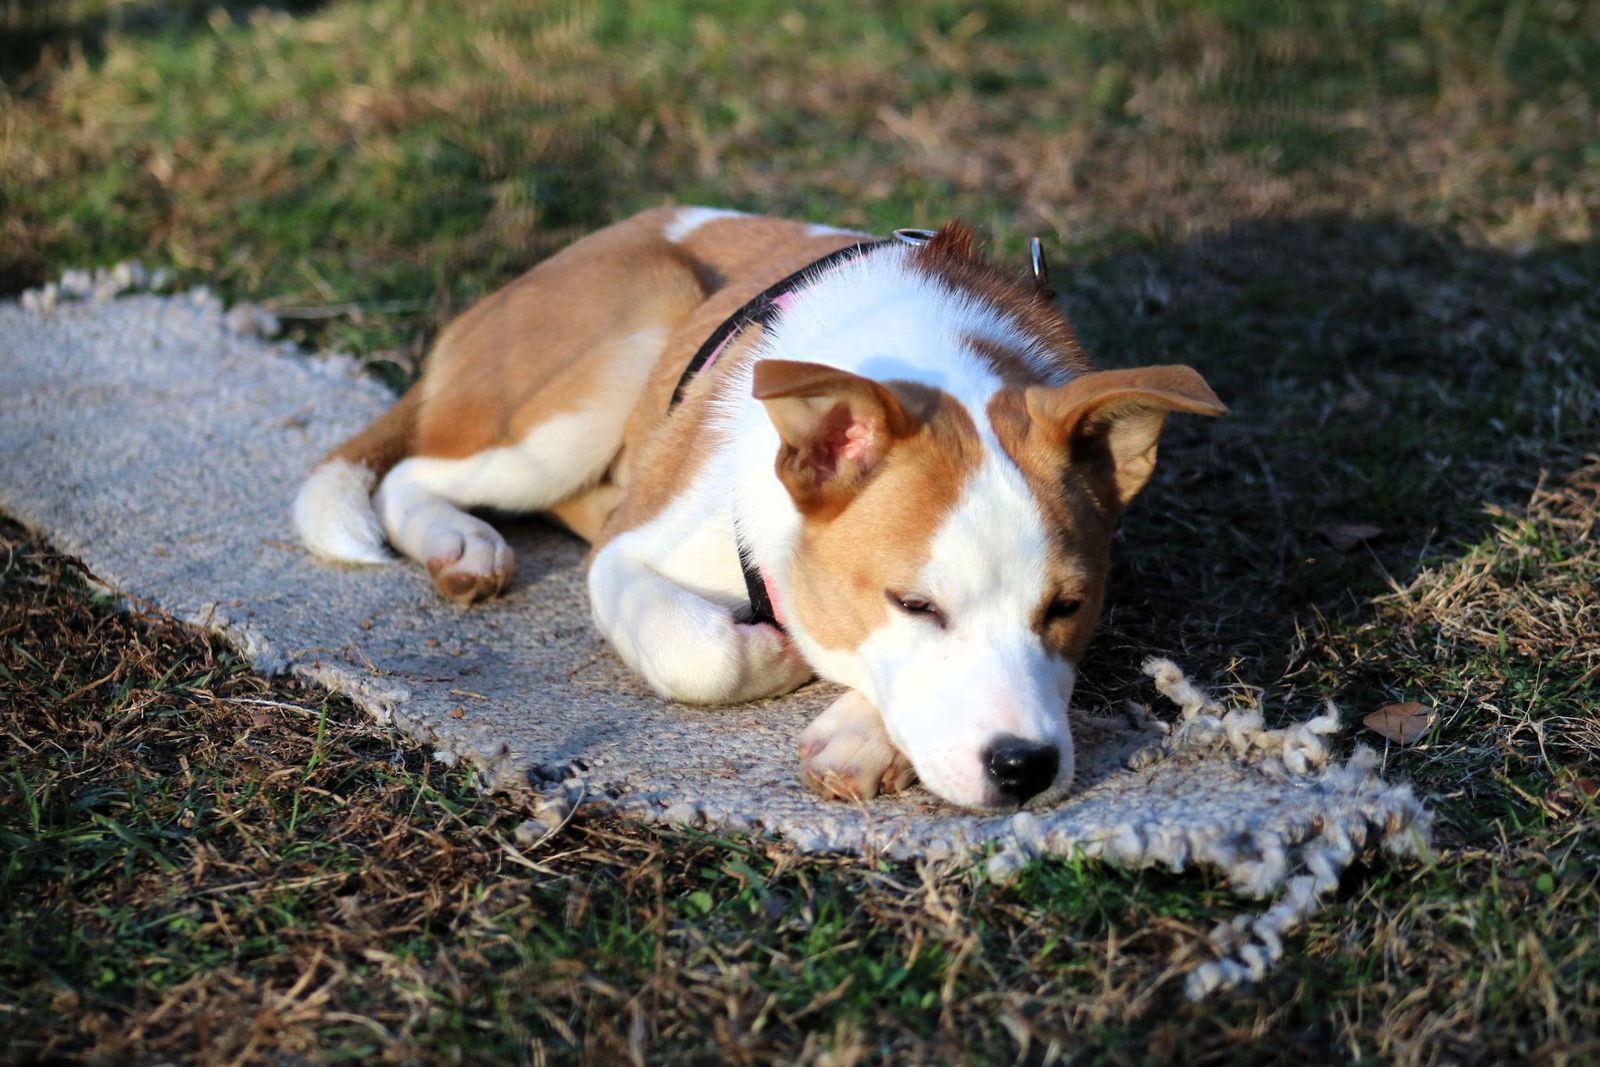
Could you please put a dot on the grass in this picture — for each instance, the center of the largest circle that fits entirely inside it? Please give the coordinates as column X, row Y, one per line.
column 1371, row 225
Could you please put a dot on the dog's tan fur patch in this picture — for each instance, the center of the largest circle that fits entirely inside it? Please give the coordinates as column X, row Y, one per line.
column 882, row 539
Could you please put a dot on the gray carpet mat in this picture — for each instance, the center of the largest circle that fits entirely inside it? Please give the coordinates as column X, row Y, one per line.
column 160, row 441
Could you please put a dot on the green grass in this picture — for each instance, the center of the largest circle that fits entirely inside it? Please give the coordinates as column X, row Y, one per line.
column 1371, row 225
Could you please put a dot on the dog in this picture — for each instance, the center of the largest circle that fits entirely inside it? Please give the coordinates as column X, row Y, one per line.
column 796, row 451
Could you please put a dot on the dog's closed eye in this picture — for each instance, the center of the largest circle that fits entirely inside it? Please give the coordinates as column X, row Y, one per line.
column 1061, row 608
column 919, row 606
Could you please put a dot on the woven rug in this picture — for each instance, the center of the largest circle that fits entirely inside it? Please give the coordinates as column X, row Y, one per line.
column 160, row 439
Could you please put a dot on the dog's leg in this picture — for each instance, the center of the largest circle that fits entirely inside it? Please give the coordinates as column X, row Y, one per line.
column 687, row 647
column 421, row 503
column 522, row 407
column 586, row 513
column 466, row 557
column 845, row 754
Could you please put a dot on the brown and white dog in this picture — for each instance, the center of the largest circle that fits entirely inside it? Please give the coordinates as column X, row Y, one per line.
column 909, row 448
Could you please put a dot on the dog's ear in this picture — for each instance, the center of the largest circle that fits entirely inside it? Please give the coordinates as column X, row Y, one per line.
column 1107, row 422
column 835, row 427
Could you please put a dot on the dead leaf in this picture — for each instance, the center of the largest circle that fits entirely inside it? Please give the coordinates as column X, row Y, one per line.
column 1346, row 535
column 1571, row 795
column 1404, row 724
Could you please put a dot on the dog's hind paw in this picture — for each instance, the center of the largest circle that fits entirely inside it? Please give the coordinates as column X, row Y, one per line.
column 846, row 755
column 471, row 565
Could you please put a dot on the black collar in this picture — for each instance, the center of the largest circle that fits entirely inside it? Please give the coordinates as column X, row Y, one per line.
column 760, row 310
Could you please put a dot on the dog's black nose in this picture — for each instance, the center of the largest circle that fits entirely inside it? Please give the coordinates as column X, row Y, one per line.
column 1022, row 769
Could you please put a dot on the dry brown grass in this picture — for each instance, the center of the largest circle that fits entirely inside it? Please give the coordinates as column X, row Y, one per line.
column 1532, row 590
column 1093, row 123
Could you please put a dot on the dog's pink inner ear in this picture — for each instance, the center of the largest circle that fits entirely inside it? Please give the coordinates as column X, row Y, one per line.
column 1108, row 422
column 835, row 427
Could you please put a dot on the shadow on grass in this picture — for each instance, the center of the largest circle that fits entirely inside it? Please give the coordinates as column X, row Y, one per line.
column 1386, row 384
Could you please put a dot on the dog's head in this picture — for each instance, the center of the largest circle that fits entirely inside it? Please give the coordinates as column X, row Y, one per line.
column 950, row 561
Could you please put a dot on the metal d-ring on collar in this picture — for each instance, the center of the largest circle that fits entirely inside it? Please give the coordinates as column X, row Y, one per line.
column 914, row 237
column 1041, row 270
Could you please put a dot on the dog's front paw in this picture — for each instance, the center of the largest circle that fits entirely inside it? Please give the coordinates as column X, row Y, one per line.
column 845, row 754
column 470, row 564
